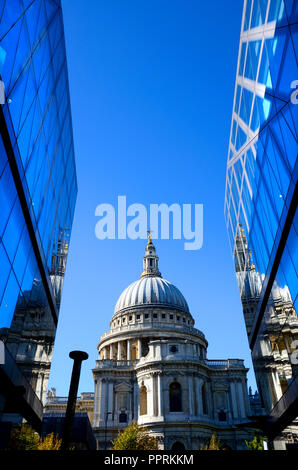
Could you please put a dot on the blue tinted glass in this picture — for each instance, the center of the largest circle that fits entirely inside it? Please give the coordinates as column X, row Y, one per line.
column 7, row 197
column 242, row 58
column 237, row 98
column 288, row 140
column 2, row 58
column 254, row 50
column 247, row 14
column 275, row 50
column 238, row 170
column 256, row 18
column 22, row 254
column 234, row 127
column 264, row 108
column 247, row 98
column 252, row 171
column 277, row 11
column 263, row 4
column 9, row 301
column 235, row 192
column 4, row 272
column 12, row 11
column 271, row 175
column 241, row 138
column 255, row 119
column 247, row 202
column 264, row 76
column 233, row 216
column 13, row 230
column 33, row 67
column 3, row 159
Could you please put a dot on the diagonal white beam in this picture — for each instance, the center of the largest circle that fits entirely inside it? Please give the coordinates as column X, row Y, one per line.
column 257, row 88
column 266, row 31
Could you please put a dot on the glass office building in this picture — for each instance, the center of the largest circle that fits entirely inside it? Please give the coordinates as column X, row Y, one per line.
column 38, row 190
column 261, row 200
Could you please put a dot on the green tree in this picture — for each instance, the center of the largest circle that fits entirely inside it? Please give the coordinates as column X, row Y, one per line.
column 257, row 443
column 49, row 442
column 134, row 437
column 23, row 437
column 214, row 444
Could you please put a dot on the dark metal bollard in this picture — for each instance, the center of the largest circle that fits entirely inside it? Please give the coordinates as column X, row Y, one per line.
column 78, row 357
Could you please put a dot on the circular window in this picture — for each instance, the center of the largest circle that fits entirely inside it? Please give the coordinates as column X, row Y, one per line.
column 173, row 349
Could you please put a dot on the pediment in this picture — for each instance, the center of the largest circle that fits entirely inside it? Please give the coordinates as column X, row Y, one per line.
column 220, row 386
column 123, row 387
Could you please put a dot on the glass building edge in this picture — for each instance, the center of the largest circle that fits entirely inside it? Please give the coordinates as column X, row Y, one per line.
column 257, row 221
column 70, row 111
column 71, row 126
column 34, row 243
column 226, row 203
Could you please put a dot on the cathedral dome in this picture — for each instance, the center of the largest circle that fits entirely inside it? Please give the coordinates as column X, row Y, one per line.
column 152, row 291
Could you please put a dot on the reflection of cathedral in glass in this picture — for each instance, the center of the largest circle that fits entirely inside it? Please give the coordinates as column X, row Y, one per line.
column 153, row 369
column 261, row 202
column 59, row 257
column 31, row 336
column 278, row 334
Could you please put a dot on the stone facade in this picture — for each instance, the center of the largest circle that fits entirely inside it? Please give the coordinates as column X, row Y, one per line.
column 57, row 405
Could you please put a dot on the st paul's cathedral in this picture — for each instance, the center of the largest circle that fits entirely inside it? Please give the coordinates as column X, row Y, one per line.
column 153, row 369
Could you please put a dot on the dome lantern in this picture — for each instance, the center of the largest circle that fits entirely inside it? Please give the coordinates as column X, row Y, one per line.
column 151, row 290
column 150, row 260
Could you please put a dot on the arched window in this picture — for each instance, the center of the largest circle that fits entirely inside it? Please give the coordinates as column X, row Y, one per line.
column 143, row 400
column 178, row 446
column 123, row 418
column 204, row 400
column 175, row 397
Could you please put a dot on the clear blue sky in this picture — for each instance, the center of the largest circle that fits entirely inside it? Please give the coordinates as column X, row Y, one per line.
column 152, row 86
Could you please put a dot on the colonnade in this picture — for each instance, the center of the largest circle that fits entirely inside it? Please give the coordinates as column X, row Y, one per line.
column 125, row 350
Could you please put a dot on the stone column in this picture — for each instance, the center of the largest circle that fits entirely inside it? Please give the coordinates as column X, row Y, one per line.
column 131, row 404
column 151, row 402
column 139, row 349
column 154, row 391
column 160, row 395
column 105, row 352
column 276, row 384
column 241, row 400
column 210, row 404
column 190, row 395
column 128, row 354
column 119, row 351
column 96, row 410
column 103, row 394
column 111, row 352
column 227, row 406
column 234, row 400
column 135, row 400
column 198, row 388
column 246, row 400
column 110, row 387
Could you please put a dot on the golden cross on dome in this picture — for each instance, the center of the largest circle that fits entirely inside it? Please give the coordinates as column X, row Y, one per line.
column 149, row 235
